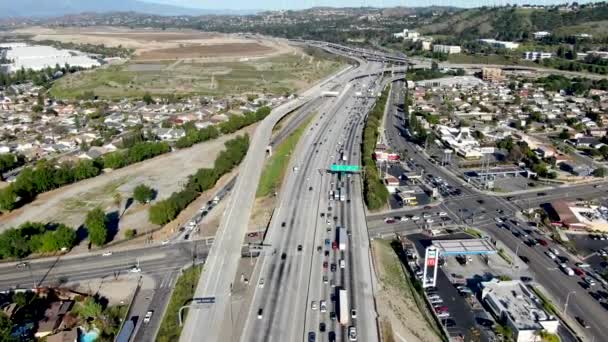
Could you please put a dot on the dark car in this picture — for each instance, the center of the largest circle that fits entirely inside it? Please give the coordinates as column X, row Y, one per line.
column 524, row 258
column 299, row 248
column 333, row 267
column 332, row 316
column 326, row 253
column 312, row 336
column 322, row 327
column 322, row 214
column 582, row 322
column 526, row 279
column 480, row 201
column 310, row 188
column 284, row 256
column 541, row 194
column 283, row 224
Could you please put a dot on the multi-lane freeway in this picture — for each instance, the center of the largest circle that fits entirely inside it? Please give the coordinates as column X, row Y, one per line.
column 301, row 271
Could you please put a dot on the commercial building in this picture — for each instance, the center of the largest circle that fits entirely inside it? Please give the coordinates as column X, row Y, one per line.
column 536, row 55
column 578, row 217
column 38, row 57
column 461, row 141
column 541, row 34
column 449, row 49
column 520, row 309
column 407, row 35
column 491, row 74
column 426, row 45
column 500, row 44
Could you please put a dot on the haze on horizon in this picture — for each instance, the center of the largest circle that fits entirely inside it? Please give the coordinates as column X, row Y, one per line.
column 290, row 4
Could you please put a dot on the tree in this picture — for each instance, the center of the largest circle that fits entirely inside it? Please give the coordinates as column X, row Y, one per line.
column 564, row 134
column 148, row 98
column 89, row 309
column 6, row 328
column 143, row 193
column 162, row 212
column 599, row 172
column 8, row 198
column 96, row 224
column 130, row 233
column 434, row 66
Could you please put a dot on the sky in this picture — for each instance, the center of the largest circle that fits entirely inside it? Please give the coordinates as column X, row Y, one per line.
column 300, row 4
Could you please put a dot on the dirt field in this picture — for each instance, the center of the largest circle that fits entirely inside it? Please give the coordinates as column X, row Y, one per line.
column 160, row 45
column 396, row 306
column 166, row 174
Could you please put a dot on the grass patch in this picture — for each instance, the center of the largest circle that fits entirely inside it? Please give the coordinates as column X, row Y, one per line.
column 474, row 232
column 184, row 290
column 273, row 75
column 547, row 304
column 505, row 256
column 274, row 170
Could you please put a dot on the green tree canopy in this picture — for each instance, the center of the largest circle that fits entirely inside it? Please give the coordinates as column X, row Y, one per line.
column 96, row 224
column 143, row 193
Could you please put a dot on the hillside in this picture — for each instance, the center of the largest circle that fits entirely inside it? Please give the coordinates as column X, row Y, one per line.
column 508, row 23
column 46, row 8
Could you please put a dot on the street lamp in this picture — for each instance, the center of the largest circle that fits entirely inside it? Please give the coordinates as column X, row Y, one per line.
column 568, row 298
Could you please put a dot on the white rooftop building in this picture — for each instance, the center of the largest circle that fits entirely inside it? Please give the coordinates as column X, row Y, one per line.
column 38, row 57
column 460, row 140
column 407, row 35
column 500, row 44
column 514, row 303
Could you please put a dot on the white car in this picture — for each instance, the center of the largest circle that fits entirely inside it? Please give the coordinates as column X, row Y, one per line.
column 165, row 242
column 443, row 213
column 498, row 220
column 404, row 219
column 261, row 283
column 342, row 263
column 551, row 255
column 148, row 316
column 313, row 305
column 323, row 306
column 415, row 218
column 108, row 253
column 135, row 269
column 352, row 333
column 430, row 220
column 353, row 313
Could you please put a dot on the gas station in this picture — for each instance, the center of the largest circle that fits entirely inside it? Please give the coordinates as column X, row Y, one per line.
column 451, row 248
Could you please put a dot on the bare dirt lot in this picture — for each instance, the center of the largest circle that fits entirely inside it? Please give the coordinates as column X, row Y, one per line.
column 165, row 174
column 160, row 45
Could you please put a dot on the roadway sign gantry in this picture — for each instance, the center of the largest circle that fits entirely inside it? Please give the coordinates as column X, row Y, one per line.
column 344, row 168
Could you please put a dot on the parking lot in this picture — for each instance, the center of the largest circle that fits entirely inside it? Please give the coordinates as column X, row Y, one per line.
column 466, row 315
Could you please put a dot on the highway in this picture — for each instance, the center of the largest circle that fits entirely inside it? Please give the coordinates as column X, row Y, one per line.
column 479, row 209
column 204, row 322
column 293, row 280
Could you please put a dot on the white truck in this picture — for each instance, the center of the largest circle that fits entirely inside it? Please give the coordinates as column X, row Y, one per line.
column 343, row 313
column 342, row 237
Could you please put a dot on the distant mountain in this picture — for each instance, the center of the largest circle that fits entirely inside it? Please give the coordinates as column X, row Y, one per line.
column 54, row 8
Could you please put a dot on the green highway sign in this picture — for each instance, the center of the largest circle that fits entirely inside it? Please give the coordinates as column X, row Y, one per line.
column 344, row 168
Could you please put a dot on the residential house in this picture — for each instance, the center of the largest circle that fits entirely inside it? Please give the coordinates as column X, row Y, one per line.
column 52, row 318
